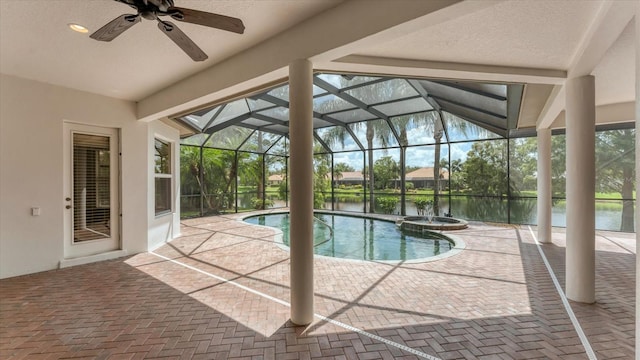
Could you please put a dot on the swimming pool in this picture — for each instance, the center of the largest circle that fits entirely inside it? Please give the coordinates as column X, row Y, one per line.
column 362, row 238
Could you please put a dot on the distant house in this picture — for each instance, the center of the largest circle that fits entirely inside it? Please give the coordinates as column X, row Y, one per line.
column 420, row 178
column 349, row 178
column 275, row 179
column 423, row 178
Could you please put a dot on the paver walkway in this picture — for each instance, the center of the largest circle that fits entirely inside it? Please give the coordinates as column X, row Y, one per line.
column 222, row 290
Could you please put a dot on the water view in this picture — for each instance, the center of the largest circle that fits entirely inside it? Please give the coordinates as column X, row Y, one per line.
column 608, row 213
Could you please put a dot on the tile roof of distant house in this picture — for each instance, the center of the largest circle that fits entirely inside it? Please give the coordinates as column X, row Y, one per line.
column 351, row 175
column 425, row 173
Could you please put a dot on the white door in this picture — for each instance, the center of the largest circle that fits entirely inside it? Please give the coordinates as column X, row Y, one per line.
column 91, row 168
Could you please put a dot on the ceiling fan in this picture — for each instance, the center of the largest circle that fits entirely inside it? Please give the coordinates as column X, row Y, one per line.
column 154, row 9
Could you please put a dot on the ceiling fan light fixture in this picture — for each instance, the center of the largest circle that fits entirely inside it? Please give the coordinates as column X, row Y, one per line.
column 78, row 28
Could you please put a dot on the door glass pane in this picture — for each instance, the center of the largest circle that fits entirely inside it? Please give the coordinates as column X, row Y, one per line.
column 91, row 187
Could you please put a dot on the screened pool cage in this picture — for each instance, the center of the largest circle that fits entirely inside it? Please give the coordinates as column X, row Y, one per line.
column 392, row 145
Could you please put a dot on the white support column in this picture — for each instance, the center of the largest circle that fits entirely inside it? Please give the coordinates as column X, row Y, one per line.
column 580, row 252
column 637, row 177
column 544, row 185
column 301, row 181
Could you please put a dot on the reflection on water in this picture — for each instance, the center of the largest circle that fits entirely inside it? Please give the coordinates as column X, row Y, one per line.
column 523, row 211
column 351, row 237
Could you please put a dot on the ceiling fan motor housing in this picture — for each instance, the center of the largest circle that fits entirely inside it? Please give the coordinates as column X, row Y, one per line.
column 162, row 5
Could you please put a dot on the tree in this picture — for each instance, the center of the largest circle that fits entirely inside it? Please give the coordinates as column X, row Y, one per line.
column 460, row 126
column 486, row 168
column 403, row 124
column 381, row 130
column 615, row 168
column 457, row 177
column 339, row 168
column 321, row 167
column 373, row 129
column 523, row 164
column 559, row 165
column 437, row 136
column 456, row 166
column 190, row 175
column 429, row 122
column 444, row 165
column 386, row 170
column 213, row 172
column 250, row 171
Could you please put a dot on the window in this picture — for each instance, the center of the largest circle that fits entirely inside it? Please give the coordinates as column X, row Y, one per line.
column 103, row 173
column 162, row 176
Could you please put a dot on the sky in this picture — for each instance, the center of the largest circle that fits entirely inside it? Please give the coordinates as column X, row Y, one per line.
column 417, row 156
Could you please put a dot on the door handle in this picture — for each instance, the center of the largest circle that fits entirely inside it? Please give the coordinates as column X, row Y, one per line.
column 68, row 207
column 68, row 199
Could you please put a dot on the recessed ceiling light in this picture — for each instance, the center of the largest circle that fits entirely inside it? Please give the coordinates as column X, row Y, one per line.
column 78, row 28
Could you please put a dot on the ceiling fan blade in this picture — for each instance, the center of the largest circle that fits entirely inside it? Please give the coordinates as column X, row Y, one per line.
column 115, row 27
column 182, row 40
column 207, row 19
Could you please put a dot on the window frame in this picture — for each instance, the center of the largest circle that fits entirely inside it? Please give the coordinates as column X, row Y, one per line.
column 163, row 175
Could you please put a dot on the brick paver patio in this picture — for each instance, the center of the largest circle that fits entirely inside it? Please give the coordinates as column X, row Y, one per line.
column 222, row 290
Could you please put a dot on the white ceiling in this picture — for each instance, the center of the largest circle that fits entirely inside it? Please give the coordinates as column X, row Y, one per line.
column 37, row 44
column 538, row 34
column 528, row 36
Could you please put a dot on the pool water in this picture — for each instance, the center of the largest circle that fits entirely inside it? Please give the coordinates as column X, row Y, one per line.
column 351, row 237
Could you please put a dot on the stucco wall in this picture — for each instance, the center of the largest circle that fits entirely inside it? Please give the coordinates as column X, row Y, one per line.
column 32, row 115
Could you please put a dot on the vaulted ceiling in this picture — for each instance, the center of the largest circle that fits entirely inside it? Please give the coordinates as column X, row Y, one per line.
column 537, row 43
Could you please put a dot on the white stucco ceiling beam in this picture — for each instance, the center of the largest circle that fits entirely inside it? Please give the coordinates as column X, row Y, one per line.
column 444, row 70
column 554, row 105
column 335, row 33
column 606, row 114
column 609, row 23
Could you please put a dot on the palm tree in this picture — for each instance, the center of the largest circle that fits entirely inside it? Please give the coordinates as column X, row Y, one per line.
column 204, row 170
column 382, row 132
column 403, row 124
column 374, row 129
column 190, row 172
column 433, row 121
column 338, row 169
column 216, row 178
column 453, row 123
column 430, row 122
column 437, row 136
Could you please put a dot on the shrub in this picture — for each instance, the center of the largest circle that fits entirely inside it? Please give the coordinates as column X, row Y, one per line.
column 409, row 185
column 282, row 190
column 318, row 200
column 258, row 205
column 422, row 204
column 387, row 204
